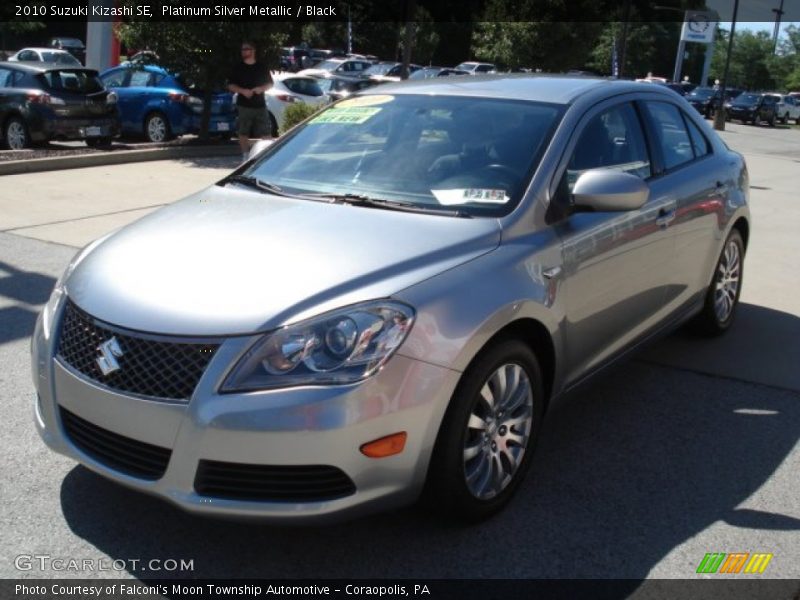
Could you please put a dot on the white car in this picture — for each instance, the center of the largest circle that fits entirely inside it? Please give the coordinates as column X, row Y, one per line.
column 788, row 107
column 287, row 89
column 46, row 55
column 338, row 66
column 476, row 68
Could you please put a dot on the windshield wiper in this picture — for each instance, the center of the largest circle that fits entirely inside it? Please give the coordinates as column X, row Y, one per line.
column 364, row 200
column 259, row 184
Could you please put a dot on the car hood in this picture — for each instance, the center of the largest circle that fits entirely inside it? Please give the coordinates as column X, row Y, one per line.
column 233, row 261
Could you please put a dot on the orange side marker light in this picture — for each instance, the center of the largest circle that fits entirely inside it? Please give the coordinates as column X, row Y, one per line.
column 385, row 446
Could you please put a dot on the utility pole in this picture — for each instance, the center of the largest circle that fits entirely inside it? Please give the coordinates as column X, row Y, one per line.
column 776, row 32
column 719, row 116
column 624, row 42
column 411, row 9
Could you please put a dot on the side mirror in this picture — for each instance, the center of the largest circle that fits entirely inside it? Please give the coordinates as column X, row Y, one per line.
column 258, row 148
column 606, row 190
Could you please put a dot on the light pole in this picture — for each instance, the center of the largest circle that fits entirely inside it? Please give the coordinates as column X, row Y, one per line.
column 719, row 116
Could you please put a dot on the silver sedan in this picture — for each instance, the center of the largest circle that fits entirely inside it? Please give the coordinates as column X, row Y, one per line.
column 382, row 305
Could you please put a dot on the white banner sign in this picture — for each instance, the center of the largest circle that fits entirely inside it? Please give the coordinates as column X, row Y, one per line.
column 699, row 26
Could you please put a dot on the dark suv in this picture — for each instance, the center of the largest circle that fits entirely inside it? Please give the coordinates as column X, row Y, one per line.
column 707, row 100
column 42, row 102
column 72, row 45
column 753, row 108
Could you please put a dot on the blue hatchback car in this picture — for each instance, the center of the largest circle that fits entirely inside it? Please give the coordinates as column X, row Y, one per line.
column 157, row 104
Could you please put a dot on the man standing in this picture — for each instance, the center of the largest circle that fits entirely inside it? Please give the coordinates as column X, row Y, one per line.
column 249, row 80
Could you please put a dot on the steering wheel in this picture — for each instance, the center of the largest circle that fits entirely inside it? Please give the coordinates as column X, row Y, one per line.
column 498, row 169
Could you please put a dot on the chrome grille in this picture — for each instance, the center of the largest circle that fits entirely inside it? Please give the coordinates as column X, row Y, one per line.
column 151, row 366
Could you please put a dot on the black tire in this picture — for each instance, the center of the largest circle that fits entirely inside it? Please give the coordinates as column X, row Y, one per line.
column 156, row 128
column 447, row 488
column 99, row 142
column 15, row 134
column 713, row 320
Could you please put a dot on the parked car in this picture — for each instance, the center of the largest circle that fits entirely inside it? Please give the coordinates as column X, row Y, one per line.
column 338, row 87
column 385, row 301
column 787, row 107
column 707, row 100
column 72, row 45
column 295, row 58
column 474, row 68
column 753, row 108
column 47, row 55
column 338, row 66
column 288, row 89
column 429, row 72
column 159, row 105
column 383, row 72
column 42, row 102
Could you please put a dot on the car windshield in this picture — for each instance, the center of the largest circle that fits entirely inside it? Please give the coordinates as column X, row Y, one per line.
column 71, row 42
column 747, row 99
column 72, row 81
column 701, row 93
column 328, row 65
column 379, row 69
column 61, row 58
column 429, row 152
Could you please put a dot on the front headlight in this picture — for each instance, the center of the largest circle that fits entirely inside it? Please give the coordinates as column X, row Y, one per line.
column 338, row 347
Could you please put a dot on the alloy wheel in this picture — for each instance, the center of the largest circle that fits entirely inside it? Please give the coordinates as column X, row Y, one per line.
column 16, row 138
column 156, row 129
column 726, row 287
column 497, row 431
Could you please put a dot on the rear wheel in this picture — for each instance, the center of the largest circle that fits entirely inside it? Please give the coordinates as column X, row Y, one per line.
column 156, row 128
column 16, row 134
column 722, row 297
column 488, row 434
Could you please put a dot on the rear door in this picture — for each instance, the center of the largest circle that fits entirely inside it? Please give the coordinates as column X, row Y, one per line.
column 81, row 90
column 690, row 174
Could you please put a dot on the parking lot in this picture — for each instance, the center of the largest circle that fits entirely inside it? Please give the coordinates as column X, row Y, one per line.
column 687, row 448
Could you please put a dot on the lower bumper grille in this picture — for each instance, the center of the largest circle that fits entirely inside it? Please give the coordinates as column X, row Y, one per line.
column 303, row 483
column 118, row 452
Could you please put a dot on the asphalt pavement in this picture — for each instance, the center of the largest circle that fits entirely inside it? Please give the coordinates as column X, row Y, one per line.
column 687, row 448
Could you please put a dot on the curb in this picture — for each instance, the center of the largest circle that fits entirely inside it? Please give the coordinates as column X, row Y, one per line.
column 35, row 165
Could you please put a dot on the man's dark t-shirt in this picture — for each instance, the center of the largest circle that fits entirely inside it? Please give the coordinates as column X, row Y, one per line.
column 249, row 77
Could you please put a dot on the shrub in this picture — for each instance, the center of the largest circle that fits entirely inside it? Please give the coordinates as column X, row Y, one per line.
column 295, row 113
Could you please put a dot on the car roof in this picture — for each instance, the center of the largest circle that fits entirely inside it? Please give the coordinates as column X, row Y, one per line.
column 43, row 49
column 42, row 67
column 555, row 89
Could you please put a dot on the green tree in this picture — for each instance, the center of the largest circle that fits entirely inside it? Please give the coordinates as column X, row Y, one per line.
column 650, row 48
column 203, row 53
column 750, row 63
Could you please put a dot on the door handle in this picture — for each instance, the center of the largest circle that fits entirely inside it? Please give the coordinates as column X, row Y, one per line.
column 665, row 217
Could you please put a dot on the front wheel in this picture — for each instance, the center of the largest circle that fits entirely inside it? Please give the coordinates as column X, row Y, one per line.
column 722, row 297
column 488, row 434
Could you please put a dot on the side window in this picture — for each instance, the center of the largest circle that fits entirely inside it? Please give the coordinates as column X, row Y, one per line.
column 140, row 79
column 699, row 142
column 6, row 76
column 115, row 79
column 28, row 55
column 671, row 134
column 611, row 140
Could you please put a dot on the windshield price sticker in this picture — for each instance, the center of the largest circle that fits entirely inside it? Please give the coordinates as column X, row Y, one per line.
column 468, row 195
column 348, row 115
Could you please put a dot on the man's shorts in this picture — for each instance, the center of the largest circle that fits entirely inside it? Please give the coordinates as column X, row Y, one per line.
column 253, row 121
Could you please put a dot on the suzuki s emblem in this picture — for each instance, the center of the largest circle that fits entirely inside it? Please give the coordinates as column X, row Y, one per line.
column 109, row 351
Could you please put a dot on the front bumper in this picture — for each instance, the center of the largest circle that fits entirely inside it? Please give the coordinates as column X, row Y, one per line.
column 295, row 427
